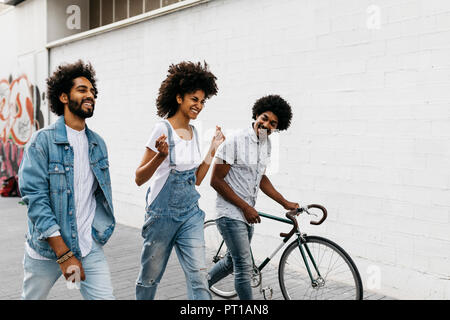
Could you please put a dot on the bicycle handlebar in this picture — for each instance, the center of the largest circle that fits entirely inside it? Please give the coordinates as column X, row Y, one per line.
column 318, row 206
column 291, row 216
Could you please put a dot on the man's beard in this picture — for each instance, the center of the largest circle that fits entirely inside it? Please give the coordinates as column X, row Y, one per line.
column 263, row 132
column 76, row 109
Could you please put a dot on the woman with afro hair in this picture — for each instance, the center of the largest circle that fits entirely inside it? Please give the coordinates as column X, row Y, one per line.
column 173, row 164
column 238, row 173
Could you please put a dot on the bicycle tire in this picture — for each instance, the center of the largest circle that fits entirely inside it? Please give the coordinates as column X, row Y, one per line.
column 213, row 241
column 341, row 283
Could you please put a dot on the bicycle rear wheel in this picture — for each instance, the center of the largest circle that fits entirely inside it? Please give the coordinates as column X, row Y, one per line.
column 337, row 277
column 216, row 250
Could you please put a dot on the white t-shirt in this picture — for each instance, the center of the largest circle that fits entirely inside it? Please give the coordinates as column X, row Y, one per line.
column 84, row 186
column 187, row 156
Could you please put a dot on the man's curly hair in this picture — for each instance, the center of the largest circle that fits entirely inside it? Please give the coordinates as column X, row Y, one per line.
column 184, row 77
column 278, row 106
column 61, row 81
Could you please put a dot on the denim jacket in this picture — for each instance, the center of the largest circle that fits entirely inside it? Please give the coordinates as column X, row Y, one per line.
column 46, row 185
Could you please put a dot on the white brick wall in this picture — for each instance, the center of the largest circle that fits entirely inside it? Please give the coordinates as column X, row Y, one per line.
column 371, row 130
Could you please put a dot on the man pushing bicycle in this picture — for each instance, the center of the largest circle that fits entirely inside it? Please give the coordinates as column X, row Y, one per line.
column 238, row 173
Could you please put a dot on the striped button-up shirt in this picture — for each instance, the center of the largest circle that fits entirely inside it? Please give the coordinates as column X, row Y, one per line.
column 248, row 157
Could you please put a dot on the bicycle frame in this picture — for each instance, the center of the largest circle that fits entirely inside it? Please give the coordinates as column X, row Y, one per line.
column 284, row 241
column 287, row 237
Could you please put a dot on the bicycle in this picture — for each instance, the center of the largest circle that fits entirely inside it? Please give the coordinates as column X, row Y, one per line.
column 310, row 267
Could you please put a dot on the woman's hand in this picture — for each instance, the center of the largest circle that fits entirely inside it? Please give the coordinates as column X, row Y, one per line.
column 152, row 160
column 162, row 146
column 204, row 166
column 218, row 139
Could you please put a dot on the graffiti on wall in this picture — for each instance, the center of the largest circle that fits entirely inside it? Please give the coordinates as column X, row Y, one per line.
column 20, row 116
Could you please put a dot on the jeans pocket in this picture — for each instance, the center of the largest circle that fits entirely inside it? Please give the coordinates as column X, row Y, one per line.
column 150, row 219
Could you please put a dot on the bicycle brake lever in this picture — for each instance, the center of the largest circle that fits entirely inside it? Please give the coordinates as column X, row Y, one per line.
column 302, row 209
column 305, row 209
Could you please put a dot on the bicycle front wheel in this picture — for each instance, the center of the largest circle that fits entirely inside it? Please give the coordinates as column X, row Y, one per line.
column 331, row 274
column 216, row 250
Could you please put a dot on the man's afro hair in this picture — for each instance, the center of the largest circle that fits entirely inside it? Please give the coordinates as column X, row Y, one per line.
column 278, row 106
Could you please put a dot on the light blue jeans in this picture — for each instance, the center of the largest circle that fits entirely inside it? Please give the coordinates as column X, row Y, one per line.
column 237, row 236
column 162, row 233
column 41, row 275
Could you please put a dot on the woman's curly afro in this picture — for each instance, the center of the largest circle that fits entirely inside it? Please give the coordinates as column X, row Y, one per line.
column 278, row 106
column 61, row 81
column 184, row 77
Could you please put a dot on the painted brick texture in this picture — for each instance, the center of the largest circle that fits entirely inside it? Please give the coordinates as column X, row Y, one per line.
column 370, row 135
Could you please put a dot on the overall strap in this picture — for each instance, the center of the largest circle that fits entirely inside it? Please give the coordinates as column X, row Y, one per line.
column 171, row 144
column 146, row 199
column 196, row 138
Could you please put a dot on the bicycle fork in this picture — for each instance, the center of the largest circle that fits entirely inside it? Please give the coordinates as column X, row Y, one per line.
column 267, row 292
column 257, row 280
column 315, row 283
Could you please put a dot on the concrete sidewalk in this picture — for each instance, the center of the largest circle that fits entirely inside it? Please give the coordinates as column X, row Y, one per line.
column 123, row 255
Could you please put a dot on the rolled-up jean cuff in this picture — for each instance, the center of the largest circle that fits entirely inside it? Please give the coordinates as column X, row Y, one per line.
column 49, row 232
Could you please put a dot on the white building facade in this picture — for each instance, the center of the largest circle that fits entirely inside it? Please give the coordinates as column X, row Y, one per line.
column 369, row 82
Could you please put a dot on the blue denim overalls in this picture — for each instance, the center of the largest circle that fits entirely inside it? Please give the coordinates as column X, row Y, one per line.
column 174, row 219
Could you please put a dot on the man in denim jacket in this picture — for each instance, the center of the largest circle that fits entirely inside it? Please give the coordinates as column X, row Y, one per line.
column 64, row 180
